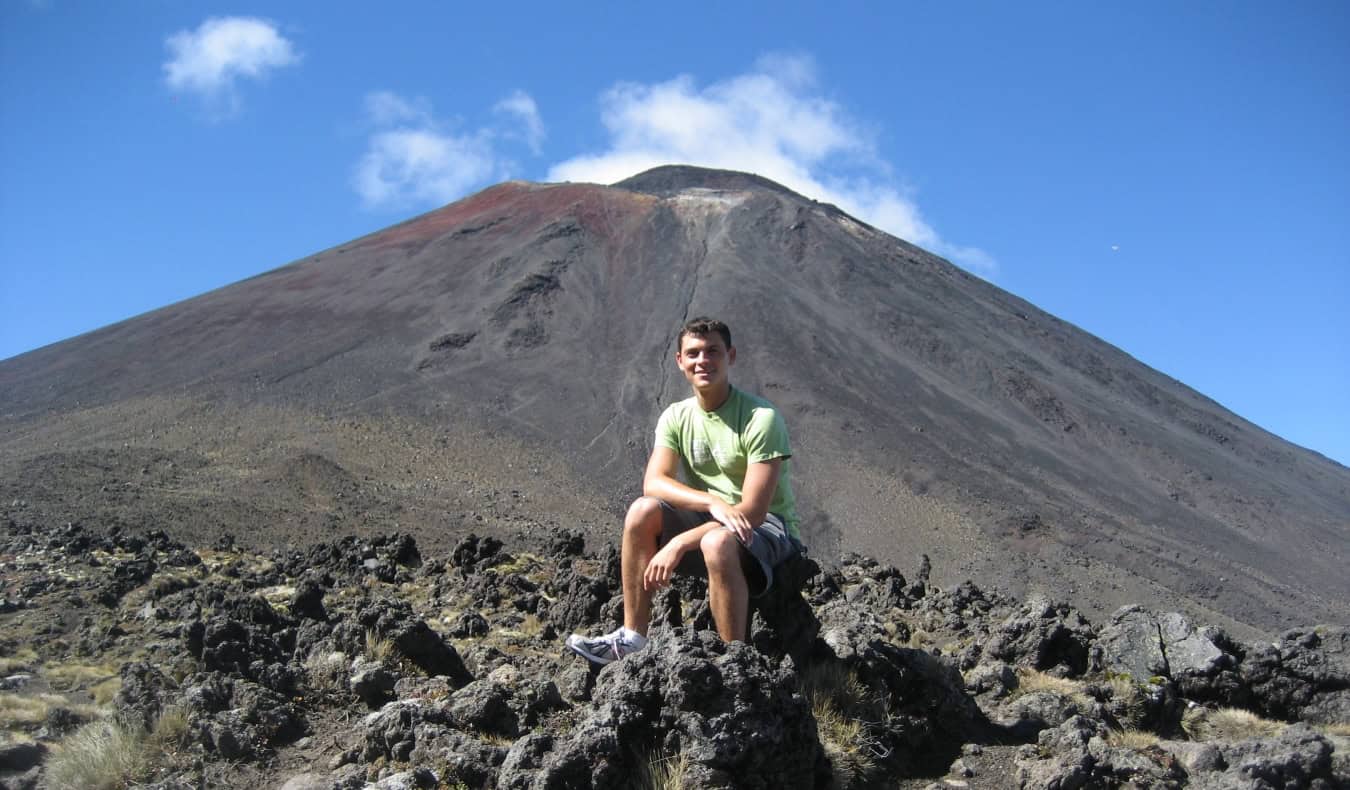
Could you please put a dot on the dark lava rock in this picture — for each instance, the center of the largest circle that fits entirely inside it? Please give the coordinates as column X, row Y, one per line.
column 394, row 620
column 1305, row 675
column 1299, row 757
column 928, row 713
column 736, row 715
column 17, row 757
column 1045, row 636
column 484, row 706
column 308, row 599
column 239, row 719
column 373, row 682
column 466, row 760
column 391, row 732
column 473, row 552
column 469, row 625
column 579, row 600
column 143, row 693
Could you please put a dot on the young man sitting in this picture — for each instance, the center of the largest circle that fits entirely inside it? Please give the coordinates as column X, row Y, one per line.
column 735, row 517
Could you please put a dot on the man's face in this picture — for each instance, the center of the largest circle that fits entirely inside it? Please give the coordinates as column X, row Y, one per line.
column 704, row 359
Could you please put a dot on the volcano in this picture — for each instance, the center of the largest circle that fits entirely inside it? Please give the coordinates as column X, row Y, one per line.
column 497, row 366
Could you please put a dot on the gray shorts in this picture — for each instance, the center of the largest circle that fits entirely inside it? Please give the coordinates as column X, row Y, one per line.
column 771, row 547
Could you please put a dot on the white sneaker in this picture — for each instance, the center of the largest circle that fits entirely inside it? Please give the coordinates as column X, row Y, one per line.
column 610, row 647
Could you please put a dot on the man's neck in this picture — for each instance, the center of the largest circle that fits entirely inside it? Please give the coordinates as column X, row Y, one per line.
column 712, row 400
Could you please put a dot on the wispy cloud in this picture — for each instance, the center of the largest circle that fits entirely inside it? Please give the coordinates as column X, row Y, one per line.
column 211, row 60
column 772, row 121
column 415, row 159
column 521, row 106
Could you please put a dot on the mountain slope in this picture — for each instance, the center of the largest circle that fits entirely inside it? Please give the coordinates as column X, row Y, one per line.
column 498, row 364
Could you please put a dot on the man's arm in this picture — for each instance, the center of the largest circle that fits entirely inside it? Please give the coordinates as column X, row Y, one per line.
column 761, row 480
column 662, row 481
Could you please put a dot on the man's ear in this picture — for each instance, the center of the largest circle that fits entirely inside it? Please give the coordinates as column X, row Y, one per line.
column 731, row 355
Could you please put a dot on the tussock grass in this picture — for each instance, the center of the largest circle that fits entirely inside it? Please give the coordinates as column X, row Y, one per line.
column 100, row 755
column 1030, row 681
column 1132, row 739
column 377, row 648
column 66, row 678
column 920, row 639
column 1228, row 724
column 103, row 693
column 842, row 705
column 170, row 732
column 111, row 753
column 327, row 672
column 23, row 660
column 528, row 565
column 18, row 710
column 1130, row 704
column 1340, row 729
column 662, row 772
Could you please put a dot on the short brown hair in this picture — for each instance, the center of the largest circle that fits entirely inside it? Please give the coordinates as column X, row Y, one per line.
column 703, row 327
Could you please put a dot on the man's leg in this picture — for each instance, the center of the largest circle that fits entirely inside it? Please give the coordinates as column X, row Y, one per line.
column 728, row 590
column 641, row 533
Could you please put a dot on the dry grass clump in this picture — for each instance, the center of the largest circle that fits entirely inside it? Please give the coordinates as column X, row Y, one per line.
column 17, row 711
column 104, row 692
column 842, row 706
column 1030, row 681
column 662, row 772
column 100, row 755
column 111, row 753
column 170, row 732
column 1137, row 740
column 22, row 660
column 528, row 565
column 1340, row 729
column 377, row 648
column 1228, row 724
column 327, row 672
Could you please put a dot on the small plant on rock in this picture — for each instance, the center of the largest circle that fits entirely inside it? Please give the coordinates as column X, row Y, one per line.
column 377, row 648
column 662, row 772
column 842, row 705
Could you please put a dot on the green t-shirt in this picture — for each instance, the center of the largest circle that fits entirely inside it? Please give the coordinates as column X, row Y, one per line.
column 716, row 447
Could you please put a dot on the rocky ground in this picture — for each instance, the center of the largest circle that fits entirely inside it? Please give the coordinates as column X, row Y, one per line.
column 132, row 659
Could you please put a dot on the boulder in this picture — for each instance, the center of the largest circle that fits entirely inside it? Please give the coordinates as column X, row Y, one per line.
column 1305, row 675
column 734, row 713
column 393, row 619
column 1045, row 636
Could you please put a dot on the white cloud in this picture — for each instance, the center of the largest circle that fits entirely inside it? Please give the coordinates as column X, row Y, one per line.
column 521, row 105
column 414, row 159
column 210, row 60
column 421, row 166
column 771, row 121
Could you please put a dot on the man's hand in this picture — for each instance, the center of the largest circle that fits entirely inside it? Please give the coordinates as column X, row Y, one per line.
column 662, row 566
column 733, row 519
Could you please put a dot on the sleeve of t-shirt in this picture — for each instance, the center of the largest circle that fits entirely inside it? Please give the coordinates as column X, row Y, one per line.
column 766, row 437
column 667, row 431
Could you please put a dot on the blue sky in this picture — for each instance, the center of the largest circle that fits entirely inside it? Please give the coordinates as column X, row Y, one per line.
column 1172, row 177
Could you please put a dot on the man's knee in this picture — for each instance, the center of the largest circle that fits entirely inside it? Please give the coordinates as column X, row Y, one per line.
column 644, row 516
column 721, row 550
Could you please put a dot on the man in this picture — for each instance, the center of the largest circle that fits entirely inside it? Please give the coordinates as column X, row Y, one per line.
column 734, row 517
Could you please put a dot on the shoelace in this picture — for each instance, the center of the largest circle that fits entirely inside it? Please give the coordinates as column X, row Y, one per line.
column 615, row 644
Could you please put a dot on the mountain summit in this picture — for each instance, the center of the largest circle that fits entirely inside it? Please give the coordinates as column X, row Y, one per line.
column 498, row 365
